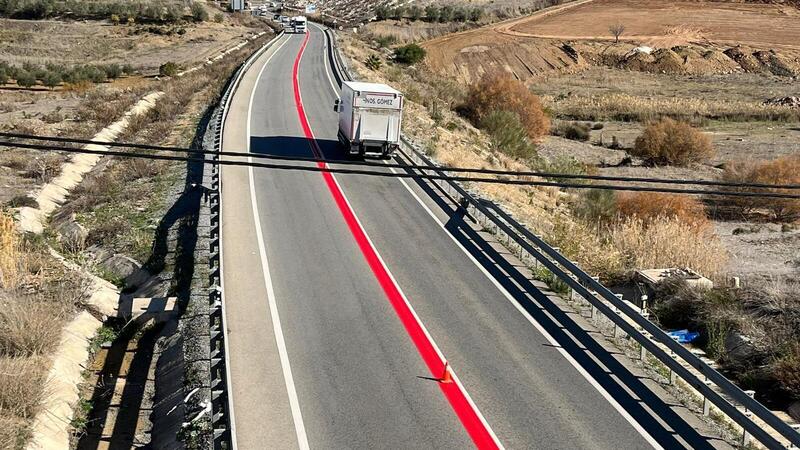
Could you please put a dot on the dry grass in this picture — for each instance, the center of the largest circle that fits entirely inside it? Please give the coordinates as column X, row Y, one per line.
column 671, row 142
column 627, row 107
column 587, row 245
column 14, row 432
column 29, row 328
column 9, row 252
column 667, row 242
column 785, row 170
column 21, row 385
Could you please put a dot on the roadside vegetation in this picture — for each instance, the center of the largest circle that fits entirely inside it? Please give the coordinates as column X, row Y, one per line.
column 37, row 296
column 53, row 75
column 753, row 332
column 142, row 11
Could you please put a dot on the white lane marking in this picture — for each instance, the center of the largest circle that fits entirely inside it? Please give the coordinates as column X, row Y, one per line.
column 297, row 416
column 408, row 304
column 327, row 63
column 638, row 427
column 226, row 342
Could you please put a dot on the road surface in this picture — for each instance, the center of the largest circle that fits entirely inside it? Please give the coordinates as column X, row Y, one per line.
column 345, row 295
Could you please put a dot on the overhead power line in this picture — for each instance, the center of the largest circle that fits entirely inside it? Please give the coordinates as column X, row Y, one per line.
column 416, row 175
column 411, row 166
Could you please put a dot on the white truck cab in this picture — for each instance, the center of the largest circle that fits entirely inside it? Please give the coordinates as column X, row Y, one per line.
column 370, row 116
column 299, row 24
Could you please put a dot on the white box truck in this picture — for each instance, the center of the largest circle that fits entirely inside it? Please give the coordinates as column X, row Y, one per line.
column 299, row 24
column 370, row 115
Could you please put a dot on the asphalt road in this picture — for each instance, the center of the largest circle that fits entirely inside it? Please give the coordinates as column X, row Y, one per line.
column 320, row 356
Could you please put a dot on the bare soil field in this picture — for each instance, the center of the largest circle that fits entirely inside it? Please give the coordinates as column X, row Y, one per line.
column 667, row 24
column 688, row 38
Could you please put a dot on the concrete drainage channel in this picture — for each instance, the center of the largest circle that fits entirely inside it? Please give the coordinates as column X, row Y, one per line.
column 749, row 418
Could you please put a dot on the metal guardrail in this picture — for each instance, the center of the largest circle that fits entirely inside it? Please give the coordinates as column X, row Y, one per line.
column 222, row 420
column 600, row 297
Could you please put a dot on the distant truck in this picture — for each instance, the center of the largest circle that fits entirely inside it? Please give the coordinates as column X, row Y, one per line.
column 299, row 24
column 370, row 115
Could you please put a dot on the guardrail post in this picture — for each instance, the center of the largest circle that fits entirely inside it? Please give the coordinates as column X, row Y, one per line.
column 745, row 435
column 706, row 402
column 617, row 312
column 672, row 375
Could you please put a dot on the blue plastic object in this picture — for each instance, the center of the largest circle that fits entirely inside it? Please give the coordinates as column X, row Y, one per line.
column 683, row 336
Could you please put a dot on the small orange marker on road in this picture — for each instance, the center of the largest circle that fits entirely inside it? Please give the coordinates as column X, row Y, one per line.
column 446, row 376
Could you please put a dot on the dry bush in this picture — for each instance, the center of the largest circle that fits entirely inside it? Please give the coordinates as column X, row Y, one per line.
column 787, row 371
column 29, row 327
column 785, row 170
column 501, row 92
column 671, row 142
column 649, row 206
column 667, row 242
column 9, row 252
column 583, row 244
column 22, row 383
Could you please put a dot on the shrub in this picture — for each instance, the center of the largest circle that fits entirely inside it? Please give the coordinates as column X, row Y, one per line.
column 415, row 13
column 199, row 14
column 373, row 62
column 787, row 371
column 25, row 78
column 475, row 14
column 432, row 13
column 115, row 19
column 785, row 170
column 384, row 41
column 460, row 15
column 508, row 135
column 3, row 76
column 113, row 71
column 500, row 91
column 595, row 205
column 409, row 54
column 446, row 14
column 94, row 74
column 51, row 79
column 575, row 131
column 128, row 69
column 168, row 69
column 649, row 206
column 382, row 12
column 218, row 17
column 671, row 142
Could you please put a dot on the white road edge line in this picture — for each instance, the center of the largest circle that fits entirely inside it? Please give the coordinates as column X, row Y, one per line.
column 638, row 427
column 297, row 417
column 231, row 414
column 405, row 299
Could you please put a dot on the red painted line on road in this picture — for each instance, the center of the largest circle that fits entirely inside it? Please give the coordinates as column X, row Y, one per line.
column 467, row 413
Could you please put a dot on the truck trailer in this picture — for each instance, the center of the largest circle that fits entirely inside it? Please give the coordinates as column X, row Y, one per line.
column 370, row 115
